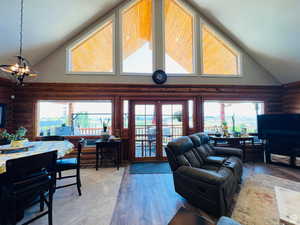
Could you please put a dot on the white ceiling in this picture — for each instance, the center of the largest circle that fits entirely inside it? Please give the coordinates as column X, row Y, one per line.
column 47, row 24
column 269, row 30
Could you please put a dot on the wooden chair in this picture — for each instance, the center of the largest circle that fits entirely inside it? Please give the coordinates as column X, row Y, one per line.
column 28, row 177
column 71, row 164
column 53, row 138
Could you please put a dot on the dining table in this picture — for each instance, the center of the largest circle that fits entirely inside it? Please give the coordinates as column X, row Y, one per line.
column 237, row 142
column 36, row 147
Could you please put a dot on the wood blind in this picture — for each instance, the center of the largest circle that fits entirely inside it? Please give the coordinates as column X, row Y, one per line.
column 136, row 26
column 95, row 54
column 218, row 58
column 179, row 34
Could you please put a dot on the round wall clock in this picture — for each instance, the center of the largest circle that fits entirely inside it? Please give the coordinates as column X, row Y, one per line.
column 159, row 77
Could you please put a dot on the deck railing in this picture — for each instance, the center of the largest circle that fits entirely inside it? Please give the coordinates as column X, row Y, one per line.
column 89, row 131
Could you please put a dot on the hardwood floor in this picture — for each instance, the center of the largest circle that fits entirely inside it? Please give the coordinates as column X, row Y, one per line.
column 150, row 199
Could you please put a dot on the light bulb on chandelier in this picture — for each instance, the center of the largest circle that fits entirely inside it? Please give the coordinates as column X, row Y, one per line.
column 22, row 68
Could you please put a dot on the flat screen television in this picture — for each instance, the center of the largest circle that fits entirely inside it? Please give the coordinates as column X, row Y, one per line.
column 2, row 115
column 278, row 125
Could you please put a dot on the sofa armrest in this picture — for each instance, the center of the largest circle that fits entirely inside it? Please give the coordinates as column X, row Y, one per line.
column 206, row 176
column 215, row 160
column 227, row 221
column 229, row 151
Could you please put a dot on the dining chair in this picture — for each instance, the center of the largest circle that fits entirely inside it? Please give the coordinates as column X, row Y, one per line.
column 53, row 138
column 71, row 164
column 28, row 177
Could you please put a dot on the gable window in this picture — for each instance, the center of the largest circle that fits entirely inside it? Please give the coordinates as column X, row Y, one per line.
column 152, row 35
column 218, row 57
column 94, row 53
column 179, row 38
column 137, row 46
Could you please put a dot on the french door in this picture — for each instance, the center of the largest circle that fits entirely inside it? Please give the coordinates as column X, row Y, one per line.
column 154, row 124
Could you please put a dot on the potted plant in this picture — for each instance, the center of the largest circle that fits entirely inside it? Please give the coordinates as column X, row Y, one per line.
column 225, row 129
column 105, row 133
column 16, row 140
column 4, row 137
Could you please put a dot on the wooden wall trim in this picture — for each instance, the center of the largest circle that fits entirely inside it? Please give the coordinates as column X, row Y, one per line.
column 24, row 105
column 32, row 84
column 6, row 91
column 27, row 96
column 4, row 82
column 291, row 98
column 293, row 84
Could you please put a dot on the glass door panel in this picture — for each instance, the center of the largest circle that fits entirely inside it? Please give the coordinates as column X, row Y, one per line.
column 172, row 123
column 145, row 130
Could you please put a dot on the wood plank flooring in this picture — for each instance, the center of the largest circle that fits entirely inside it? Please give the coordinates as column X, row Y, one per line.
column 150, row 199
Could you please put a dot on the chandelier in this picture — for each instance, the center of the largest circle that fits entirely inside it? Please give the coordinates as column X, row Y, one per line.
column 22, row 68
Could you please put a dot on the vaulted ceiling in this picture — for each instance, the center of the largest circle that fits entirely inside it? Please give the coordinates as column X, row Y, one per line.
column 268, row 30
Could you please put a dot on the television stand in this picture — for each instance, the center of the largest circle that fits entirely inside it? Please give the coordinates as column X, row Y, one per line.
column 285, row 146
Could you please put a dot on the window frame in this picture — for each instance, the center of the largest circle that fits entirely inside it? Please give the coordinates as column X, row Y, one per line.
column 229, row 100
column 123, row 114
column 127, row 5
column 196, row 38
column 37, row 113
column 158, row 42
column 84, row 37
column 229, row 43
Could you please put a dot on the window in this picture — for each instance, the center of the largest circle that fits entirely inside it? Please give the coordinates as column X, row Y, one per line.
column 191, row 113
column 179, row 32
column 137, row 46
column 125, row 113
column 186, row 49
column 73, row 118
column 239, row 116
column 94, row 53
column 218, row 57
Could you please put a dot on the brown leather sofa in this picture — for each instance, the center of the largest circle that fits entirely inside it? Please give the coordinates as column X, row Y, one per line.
column 207, row 176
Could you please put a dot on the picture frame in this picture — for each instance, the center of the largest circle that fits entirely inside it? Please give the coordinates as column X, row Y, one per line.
column 2, row 115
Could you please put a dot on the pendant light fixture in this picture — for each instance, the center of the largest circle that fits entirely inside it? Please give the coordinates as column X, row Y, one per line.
column 22, row 68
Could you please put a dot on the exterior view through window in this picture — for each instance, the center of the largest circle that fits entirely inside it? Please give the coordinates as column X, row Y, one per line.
column 238, row 115
column 73, row 118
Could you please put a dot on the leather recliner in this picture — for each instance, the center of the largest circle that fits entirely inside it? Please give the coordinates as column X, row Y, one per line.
column 204, row 181
column 222, row 156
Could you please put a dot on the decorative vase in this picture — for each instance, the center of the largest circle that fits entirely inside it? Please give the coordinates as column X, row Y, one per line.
column 236, row 134
column 105, row 135
column 218, row 134
column 18, row 143
column 104, row 129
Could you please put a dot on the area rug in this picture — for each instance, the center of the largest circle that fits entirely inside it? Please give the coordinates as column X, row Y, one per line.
column 100, row 191
column 256, row 203
column 150, row 168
